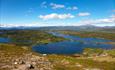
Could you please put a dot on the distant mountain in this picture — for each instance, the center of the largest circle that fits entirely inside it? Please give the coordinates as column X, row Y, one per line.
column 78, row 28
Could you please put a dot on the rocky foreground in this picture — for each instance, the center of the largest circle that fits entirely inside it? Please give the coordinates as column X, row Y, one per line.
column 27, row 62
column 22, row 59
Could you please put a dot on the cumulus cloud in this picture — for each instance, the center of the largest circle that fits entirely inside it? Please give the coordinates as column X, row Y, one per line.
column 55, row 6
column 106, row 20
column 56, row 16
column 83, row 14
column 111, row 19
column 98, row 21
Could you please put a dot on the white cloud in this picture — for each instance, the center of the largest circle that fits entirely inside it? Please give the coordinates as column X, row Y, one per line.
column 43, row 4
column 18, row 25
column 56, row 16
column 111, row 19
column 58, row 6
column 106, row 20
column 75, row 8
column 112, row 16
column 84, row 14
column 55, row 6
column 72, row 8
column 98, row 21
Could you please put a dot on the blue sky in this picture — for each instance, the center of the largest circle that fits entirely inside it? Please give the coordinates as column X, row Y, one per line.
column 57, row 12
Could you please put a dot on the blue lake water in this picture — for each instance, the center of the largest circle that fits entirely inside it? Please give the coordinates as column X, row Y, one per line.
column 4, row 40
column 72, row 46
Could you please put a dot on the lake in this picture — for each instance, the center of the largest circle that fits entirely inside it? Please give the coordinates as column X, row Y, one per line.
column 74, row 45
column 4, row 40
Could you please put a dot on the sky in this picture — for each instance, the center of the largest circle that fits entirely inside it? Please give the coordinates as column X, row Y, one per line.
column 57, row 12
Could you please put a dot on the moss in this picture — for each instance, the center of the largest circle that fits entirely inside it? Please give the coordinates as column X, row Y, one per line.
column 93, row 51
column 111, row 52
column 86, row 63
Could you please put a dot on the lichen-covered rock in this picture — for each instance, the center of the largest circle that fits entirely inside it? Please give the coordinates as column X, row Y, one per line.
column 28, row 62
